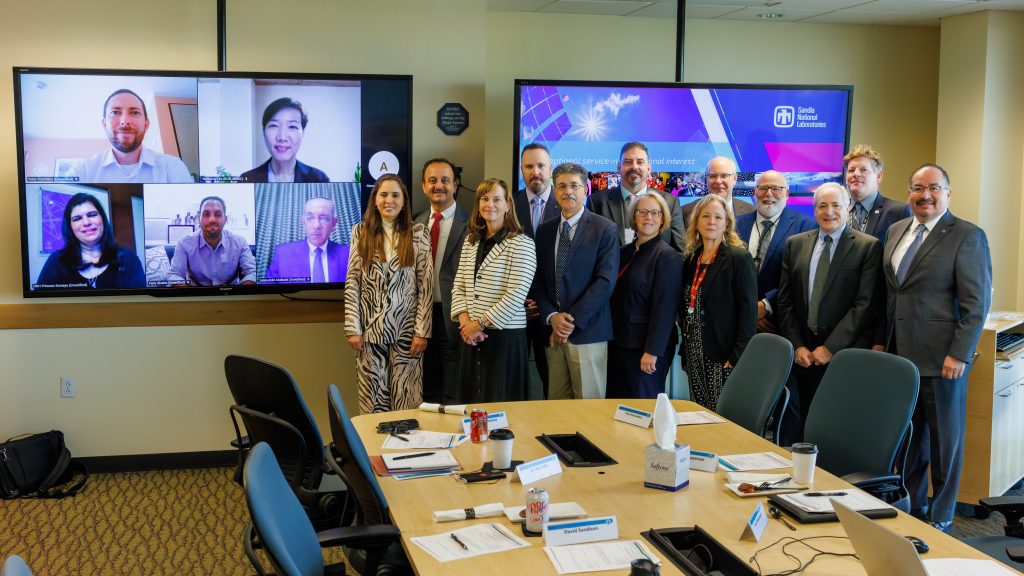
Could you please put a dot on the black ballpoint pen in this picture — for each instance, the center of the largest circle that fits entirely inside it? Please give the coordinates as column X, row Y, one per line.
column 399, row 436
column 417, row 455
column 460, row 542
column 825, row 494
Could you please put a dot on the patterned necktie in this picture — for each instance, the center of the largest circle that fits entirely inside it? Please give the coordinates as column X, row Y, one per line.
column 763, row 240
column 629, row 200
column 915, row 245
column 435, row 235
column 318, row 266
column 564, row 243
column 820, row 274
column 538, row 205
column 859, row 217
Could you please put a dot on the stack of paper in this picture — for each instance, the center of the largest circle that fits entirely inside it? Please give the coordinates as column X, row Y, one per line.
column 439, row 461
column 598, row 556
column 821, row 502
column 471, row 541
column 415, row 439
column 698, row 417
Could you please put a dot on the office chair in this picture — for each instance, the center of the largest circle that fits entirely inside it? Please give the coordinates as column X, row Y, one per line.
column 1012, row 509
column 15, row 566
column 348, row 457
column 755, row 388
column 860, row 420
column 272, row 410
column 281, row 527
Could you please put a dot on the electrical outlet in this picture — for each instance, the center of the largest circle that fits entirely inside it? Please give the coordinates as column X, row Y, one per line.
column 67, row 387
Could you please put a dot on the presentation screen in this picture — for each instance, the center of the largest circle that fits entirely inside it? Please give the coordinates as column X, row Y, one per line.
column 802, row 131
column 190, row 183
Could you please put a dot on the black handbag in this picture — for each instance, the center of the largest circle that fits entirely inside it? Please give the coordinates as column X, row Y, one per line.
column 38, row 465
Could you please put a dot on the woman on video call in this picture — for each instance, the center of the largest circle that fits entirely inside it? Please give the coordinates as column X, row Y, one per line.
column 90, row 255
column 284, row 122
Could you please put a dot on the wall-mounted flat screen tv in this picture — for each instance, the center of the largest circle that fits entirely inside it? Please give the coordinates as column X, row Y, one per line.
column 172, row 183
column 802, row 131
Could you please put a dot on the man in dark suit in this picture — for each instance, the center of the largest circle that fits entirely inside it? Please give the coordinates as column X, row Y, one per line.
column 446, row 222
column 765, row 231
column 577, row 263
column 828, row 290
column 317, row 258
column 720, row 174
column 634, row 169
column 870, row 212
column 536, row 204
column 938, row 271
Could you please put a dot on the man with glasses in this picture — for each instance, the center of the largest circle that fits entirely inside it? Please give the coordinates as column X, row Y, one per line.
column 634, row 170
column 446, row 222
column 870, row 212
column 577, row 264
column 938, row 271
column 315, row 259
column 721, row 179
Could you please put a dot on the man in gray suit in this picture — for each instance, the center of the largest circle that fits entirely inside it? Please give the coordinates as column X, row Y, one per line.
column 446, row 222
column 720, row 174
column 938, row 272
column 634, row 169
column 828, row 290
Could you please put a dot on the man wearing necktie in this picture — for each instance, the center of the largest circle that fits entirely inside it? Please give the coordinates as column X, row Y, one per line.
column 870, row 212
column 828, row 291
column 446, row 222
column 317, row 258
column 535, row 204
column 938, row 274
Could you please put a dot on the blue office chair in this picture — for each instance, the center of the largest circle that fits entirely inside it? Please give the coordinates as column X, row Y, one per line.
column 757, row 386
column 281, row 526
column 860, row 420
column 349, row 458
column 271, row 408
column 15, row 566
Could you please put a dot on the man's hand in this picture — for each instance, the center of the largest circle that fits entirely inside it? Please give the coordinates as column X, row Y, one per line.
column 532, row 310
column 762, row 310
column 355, row 343
column 765, row 325
column 802, row 356
column 418, row 346
column 878, row 348
column 561, row 327
column 821, row 356
column 648, row 363
column 953, row 368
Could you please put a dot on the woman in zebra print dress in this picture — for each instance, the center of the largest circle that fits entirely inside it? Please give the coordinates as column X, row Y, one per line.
column 388, row 300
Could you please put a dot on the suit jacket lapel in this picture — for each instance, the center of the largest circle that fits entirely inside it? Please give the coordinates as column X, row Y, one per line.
column 616, row 209
column 893, row 240
column 458, row 227
column 498, row 249
column 715, row 268
column 577, row 237
column 779, row 235
column 842, row 250
column 803, row 258
column 934, row 237
column 874, row 214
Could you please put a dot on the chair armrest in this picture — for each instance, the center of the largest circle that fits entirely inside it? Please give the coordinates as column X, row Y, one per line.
column 868, row 479
column 242, row 443
column 1011, row 507
column 373, row 536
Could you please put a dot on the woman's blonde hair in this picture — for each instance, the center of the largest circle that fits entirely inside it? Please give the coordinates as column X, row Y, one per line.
column 693, row 238
column 477, row 226
column 665, row 214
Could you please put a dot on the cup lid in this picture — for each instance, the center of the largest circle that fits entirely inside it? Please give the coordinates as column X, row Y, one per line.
column 804, row 448
column 501, row 434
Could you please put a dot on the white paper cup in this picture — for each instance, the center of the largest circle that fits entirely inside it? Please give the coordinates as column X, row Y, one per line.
column 805, row 455
column 501, row 444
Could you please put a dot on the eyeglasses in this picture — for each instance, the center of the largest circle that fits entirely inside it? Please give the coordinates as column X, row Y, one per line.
column 643, row 212
column 572, row 187
column 720, row 175
column 771, row 188
column 933, row 188
column 322, row 218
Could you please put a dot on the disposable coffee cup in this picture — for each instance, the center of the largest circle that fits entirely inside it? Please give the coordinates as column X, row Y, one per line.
column 501, row 444
column 805, row 455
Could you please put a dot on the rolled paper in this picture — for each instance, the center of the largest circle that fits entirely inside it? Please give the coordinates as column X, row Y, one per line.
column 481, row 511
column 442, row 409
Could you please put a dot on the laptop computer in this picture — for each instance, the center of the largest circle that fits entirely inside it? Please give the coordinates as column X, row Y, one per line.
column 881, row 551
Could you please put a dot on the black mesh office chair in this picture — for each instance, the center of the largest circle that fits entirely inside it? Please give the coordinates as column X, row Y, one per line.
column 271, row 408
column 1001, row 547
column 860, row 420
column 756, row 389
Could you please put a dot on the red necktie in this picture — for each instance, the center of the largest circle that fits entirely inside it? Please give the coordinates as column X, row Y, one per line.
column 435, row 234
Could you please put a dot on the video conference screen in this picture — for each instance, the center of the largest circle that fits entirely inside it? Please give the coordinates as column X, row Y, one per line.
column 183, row 183
column 802, row 131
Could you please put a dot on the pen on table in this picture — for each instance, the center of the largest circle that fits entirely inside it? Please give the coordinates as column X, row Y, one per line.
column 399, row 436
column 417, row 455
column 459, row 542
column 825, row 494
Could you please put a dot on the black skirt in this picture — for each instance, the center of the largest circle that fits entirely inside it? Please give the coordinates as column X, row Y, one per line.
column 494, row 370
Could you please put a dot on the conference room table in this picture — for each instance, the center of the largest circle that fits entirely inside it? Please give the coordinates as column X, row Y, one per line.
column 615, row 490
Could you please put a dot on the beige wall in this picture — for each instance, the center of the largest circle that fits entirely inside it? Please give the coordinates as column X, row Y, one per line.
column 146, row 390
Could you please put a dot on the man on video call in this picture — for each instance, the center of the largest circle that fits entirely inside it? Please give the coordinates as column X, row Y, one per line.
column 317, row 258
column 125, row 121
column 212, row 256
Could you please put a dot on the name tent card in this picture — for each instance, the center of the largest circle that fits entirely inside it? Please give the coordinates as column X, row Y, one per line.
column 529, row 472
column 703, row 461
column 633, row 416
column 495, row 420
column 581, row 531
column 756, row 524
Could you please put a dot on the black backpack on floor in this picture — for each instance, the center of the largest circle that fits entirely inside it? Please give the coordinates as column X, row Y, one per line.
column 33, row 465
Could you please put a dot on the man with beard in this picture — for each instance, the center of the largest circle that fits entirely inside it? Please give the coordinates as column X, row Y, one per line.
column 536, row 204
column 720, row 173
column 125, row 121
column 871, row 212
column 212, row 256
column 634, row 169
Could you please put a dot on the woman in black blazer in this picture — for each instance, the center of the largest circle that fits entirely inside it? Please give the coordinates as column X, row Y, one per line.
column 644, row 305
column 718, row 309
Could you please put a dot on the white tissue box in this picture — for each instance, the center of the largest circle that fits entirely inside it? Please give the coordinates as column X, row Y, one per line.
column 667, row 469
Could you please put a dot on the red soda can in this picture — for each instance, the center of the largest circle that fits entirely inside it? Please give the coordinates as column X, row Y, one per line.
column 478, row 425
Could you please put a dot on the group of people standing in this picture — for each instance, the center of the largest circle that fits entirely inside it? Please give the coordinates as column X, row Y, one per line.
column 604, row 291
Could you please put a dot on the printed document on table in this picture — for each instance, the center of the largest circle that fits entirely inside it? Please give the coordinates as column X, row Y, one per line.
column 960, row 566
column 698, row 417
column 479, row 539
column 755, row 461
column 416, row 461
column 598, row 556
column 423, row 439
column 852, row 498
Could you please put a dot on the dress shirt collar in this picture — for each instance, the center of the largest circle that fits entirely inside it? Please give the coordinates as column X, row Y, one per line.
column 572, row 220
column 312, row 249
column 446, row 214
column 929, row 225
column 544, row 196
column 146, row 158
column 835, row 235
column 626, row 193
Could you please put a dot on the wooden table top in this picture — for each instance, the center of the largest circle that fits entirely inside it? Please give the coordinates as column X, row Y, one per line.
column 614, row 490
